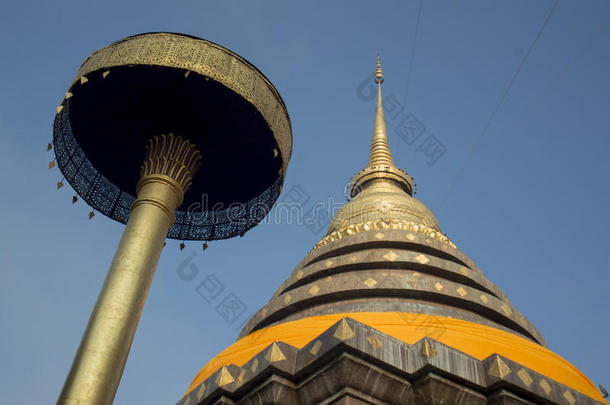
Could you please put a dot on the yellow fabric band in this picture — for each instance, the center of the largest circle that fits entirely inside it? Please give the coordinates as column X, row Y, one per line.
column 474, row 339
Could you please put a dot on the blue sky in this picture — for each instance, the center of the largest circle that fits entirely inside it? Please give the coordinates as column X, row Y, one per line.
column 529, row 205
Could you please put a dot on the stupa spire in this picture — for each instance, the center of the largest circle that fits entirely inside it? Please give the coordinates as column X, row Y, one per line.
column 380, row 147
column 380, row 168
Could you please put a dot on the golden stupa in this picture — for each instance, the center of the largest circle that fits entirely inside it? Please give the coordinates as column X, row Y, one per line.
column 385, row 309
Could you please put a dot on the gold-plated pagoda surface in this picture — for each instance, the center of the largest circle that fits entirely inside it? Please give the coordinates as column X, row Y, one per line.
column 380, row 147
column 381, row 192
column 386, row 290
column 385, row 252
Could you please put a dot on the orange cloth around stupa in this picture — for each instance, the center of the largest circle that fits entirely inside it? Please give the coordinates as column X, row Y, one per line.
column 474, row 339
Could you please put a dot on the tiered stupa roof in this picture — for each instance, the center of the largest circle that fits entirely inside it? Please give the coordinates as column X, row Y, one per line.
column 386, row 309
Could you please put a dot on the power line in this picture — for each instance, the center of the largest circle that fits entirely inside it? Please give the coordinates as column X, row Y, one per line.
column 561, row 75
column 495, row 110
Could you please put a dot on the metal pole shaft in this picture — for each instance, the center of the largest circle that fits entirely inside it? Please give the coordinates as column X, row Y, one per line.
column 97, row 368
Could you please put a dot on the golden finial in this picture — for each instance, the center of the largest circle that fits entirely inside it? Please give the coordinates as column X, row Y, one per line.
column 171, row 156
column 380, row 148
column 379, row 72
column 381, row 165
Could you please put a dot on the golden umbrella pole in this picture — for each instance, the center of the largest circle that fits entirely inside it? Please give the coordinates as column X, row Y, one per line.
column 96, row 370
